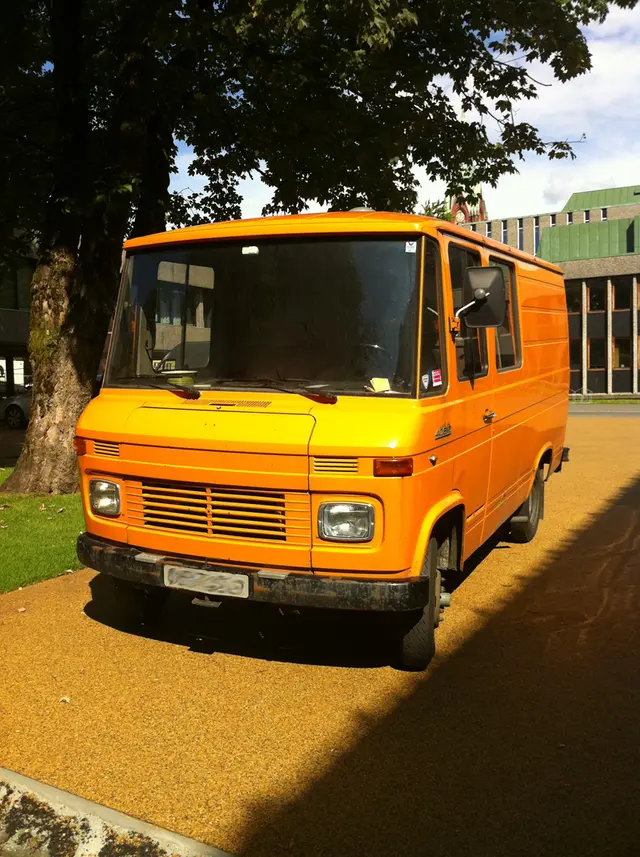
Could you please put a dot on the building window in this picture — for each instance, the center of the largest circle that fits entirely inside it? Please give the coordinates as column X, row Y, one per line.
column 621, row 287
column 520, row 234
column 603, row 214
column 597, row 352
column 169, row 305
column 508, row 334
column 471, row 345
column 622, row 353
column 536, row 234
column 569, row 218
column 472, row 226
column 15, row 286
column 505, row 232
column 488, row 230
column 574, row 295
column 575, row 354
column 597, row 294
column 587, row 216
column 552, row 220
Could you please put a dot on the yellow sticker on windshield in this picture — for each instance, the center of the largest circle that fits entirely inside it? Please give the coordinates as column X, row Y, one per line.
column 380, row 385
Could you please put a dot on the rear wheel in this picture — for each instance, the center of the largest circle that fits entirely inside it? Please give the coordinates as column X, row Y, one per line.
column 524, row 524
column 14, row 417
column 417, row 644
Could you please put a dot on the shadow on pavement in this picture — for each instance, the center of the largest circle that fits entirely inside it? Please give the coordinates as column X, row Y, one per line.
column 525, row 741
column 322, row 637
column 329, row 638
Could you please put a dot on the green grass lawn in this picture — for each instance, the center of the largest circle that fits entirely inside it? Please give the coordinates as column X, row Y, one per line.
column 37, row 536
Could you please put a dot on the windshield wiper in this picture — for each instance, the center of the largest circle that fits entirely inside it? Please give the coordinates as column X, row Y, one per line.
column 189, row 392
column 274, row 384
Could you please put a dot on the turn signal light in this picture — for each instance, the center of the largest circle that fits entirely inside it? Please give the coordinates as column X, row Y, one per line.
column 392, row 466
column 79, row 445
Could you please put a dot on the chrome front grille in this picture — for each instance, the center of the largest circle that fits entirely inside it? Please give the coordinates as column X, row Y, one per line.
column 220, row 512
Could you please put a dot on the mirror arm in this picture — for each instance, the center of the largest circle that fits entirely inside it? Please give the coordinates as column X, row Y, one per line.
column 464, row 309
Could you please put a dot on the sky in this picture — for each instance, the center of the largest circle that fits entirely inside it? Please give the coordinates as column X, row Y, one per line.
column 604, row 105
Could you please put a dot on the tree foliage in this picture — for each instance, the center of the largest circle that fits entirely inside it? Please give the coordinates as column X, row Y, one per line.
column 440, row 209
column 334, row 102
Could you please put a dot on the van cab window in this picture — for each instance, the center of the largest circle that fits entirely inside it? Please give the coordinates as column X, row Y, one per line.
column 336, row 314
column 471, row 345
column 508, row 335
column 432, row 369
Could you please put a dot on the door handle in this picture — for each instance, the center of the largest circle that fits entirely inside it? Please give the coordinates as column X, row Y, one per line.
column 489, row 416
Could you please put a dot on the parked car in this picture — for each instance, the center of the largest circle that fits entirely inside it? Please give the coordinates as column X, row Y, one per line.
column 16, row 409
column 4, row 387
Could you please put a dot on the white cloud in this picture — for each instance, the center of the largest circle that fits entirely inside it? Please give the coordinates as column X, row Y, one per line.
column 602, row 104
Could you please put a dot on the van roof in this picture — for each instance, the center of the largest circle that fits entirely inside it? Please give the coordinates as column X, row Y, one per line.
column 330, row 223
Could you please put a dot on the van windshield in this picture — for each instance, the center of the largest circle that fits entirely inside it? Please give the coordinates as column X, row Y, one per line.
column 330, row 314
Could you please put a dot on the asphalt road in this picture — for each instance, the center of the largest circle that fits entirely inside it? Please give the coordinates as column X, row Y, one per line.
column 605, row 410
column 264, row 738
column 11, row 441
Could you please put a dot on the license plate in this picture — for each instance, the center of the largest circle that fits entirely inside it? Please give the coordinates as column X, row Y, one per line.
column 209, row 582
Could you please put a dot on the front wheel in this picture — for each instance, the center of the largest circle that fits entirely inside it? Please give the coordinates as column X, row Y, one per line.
column 523, row 526
column 417, row 644
column 14, row 417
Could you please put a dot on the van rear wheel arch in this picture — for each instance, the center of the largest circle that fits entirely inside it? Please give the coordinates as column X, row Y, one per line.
column 545, row 463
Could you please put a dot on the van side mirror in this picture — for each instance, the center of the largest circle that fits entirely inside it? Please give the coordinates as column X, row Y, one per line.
column 487, row 288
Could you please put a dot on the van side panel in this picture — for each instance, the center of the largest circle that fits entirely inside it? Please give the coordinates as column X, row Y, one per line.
column 531, row 402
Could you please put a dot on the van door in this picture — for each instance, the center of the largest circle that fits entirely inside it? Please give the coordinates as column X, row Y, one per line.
column 472, row 400
column 509, row 471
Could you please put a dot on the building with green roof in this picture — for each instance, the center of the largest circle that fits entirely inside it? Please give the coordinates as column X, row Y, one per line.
column 589, row 199
column 595, row 239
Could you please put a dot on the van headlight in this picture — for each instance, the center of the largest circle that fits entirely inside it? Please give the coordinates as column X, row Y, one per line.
column 346, row 522
column 104, row 497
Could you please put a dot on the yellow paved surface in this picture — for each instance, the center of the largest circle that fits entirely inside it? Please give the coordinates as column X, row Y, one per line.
column 263, row 738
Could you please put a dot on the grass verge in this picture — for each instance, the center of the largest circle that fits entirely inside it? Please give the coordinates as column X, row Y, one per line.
column 37, row 536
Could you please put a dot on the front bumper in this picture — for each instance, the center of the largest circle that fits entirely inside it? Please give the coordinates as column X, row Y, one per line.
column 273, row 586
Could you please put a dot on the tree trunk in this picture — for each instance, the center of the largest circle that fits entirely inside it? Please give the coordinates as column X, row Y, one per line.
column 62, row 381
column 75, row 284
column 60, row 385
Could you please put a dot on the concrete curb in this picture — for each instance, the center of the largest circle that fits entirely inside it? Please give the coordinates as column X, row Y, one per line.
column 41, row 821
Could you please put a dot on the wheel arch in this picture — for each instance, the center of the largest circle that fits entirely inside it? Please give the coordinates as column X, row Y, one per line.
column 445, row 517
column 545, row 461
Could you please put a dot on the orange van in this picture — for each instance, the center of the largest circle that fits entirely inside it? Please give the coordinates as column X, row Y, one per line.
column 329, row 410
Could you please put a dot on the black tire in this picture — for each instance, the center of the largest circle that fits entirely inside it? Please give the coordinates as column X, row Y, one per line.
column 417, row 643
column 522, row 532
column 14, row 417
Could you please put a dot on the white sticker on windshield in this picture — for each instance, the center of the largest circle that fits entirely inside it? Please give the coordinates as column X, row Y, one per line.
column 250, row 251
column 425, row 381
column 410, row 246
